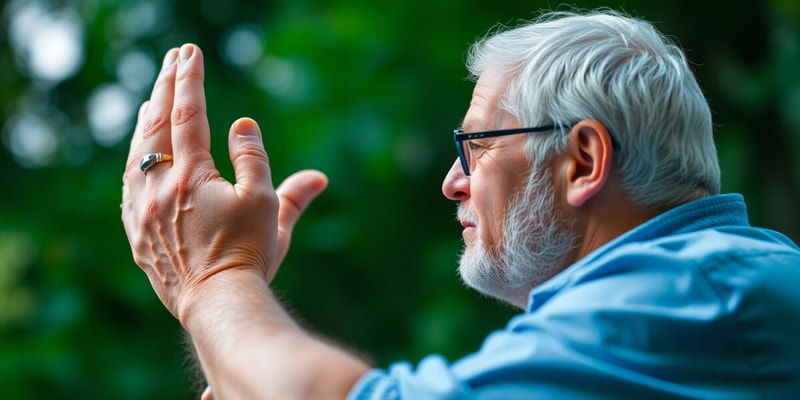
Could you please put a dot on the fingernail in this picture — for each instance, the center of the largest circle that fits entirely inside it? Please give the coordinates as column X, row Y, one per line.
column 186, row 52
column 247, row 128
column 170, row 58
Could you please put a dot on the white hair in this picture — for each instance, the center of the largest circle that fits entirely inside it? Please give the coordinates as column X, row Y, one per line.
column 565, row 67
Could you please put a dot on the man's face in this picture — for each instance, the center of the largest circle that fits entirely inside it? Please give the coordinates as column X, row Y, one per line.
column 514, row 235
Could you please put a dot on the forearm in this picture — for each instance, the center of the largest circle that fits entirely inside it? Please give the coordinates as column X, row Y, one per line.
column 250, row 348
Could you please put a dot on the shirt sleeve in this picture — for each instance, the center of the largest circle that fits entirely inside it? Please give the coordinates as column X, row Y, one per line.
column 433, row 379
column 510, row 365
column 642, row 327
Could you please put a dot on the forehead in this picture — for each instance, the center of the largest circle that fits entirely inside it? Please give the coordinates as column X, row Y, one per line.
column 485, row 109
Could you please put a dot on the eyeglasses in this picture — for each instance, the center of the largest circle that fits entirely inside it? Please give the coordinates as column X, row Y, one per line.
column 465, row 151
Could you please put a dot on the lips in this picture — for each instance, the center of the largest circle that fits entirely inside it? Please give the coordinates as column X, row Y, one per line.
column 469, row 234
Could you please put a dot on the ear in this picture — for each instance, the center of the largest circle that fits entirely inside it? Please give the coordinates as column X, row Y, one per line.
column 589, row 161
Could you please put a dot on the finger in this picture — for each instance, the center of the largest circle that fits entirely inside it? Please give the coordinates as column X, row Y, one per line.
column 154, row 124
column 295, row 194
column 132, row 174
column 132, row 177
column 191, row 139
column 132, row 164
column 250, row 161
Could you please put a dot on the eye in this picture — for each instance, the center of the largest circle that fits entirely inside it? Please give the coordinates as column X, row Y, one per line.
column 473, row 146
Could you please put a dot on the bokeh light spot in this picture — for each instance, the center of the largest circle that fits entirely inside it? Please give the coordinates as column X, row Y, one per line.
column 243, row 46
column 111, row 110
column 136, row 70
column 32, row 139
column 48, row 44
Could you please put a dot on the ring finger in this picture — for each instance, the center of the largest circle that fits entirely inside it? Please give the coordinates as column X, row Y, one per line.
column 153, row 131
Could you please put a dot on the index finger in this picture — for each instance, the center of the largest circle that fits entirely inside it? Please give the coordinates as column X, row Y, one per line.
column 191, row 142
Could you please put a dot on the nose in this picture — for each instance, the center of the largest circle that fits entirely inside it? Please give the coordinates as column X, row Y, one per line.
column 456, row 185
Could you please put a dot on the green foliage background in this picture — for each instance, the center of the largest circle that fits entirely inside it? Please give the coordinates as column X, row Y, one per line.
column 366, row 91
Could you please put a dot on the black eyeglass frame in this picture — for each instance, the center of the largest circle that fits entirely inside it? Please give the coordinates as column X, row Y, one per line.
column 461, row 137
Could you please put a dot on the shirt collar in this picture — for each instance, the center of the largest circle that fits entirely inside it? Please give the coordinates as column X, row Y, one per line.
column 712, row 211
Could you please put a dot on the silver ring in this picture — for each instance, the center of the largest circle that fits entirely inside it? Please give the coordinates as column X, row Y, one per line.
column 151, row 159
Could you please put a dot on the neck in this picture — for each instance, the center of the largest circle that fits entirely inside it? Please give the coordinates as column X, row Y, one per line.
column 605, row 217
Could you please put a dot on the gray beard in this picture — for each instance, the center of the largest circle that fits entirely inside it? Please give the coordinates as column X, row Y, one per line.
column 536, row 243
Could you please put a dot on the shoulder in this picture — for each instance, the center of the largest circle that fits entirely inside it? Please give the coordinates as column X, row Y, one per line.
column 718, row 260
column 698, row 250
column 708, row 281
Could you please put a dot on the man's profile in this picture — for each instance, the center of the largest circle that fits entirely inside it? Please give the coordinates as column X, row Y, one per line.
column 588, row 188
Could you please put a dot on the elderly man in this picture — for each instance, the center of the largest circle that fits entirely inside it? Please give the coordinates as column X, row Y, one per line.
column 588, row 188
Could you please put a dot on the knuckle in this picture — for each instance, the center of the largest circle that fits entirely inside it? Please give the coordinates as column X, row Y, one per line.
column 183, row 181
column 267, row 199
column 154, row 124
column 185, row 113
column 271, row 197
column 252, row 153
column 262, row 198
column 189, row 179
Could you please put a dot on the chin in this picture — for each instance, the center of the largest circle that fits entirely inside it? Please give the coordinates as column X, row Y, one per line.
column 488, row 279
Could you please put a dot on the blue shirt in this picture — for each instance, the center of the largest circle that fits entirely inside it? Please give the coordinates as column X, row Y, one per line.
column 693, row 304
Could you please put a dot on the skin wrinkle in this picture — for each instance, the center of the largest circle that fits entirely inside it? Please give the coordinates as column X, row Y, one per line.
column 165, row 83
column 185, row 115
column 240, row 190
column 154, row 125
column 185, row 111
column 292, row 202
column 218, row 242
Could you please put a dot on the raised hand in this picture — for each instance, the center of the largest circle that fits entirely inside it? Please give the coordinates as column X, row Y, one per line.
column 185, row 223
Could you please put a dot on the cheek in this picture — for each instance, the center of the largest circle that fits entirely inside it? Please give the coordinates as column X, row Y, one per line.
column 491, row 213
column 491, row 191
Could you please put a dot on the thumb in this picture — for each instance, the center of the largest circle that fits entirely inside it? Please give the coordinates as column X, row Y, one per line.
column 295, row 194
column 249, row 159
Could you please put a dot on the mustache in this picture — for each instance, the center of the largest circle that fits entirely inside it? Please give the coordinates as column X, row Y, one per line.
column 463, row 214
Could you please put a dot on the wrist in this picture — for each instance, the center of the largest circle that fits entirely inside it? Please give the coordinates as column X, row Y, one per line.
column 248, row 346
column 229, row 296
